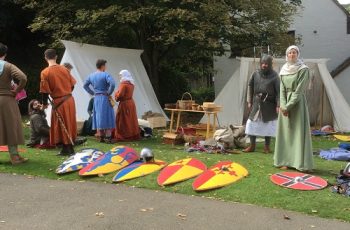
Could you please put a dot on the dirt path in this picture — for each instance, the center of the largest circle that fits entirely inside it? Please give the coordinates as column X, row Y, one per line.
column 36, row 203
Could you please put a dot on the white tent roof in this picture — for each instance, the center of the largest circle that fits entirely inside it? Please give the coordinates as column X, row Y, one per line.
column 83, row 58
column 335, row 108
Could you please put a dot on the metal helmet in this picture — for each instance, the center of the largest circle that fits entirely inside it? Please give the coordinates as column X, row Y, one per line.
column 147, row 155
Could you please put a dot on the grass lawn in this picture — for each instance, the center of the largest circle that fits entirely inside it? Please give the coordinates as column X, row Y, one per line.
column 255, row 189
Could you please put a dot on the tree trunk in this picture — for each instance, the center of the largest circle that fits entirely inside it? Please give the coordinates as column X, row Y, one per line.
column 150, row 59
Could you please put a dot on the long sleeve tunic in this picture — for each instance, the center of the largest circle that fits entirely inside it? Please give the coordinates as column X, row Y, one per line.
column 11, row 132
column 293, row 147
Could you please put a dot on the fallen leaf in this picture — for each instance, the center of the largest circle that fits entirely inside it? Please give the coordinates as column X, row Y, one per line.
column 143, row 210
column 2, row 221
column 120, row 200
column 312, row 226
column 286, row 217
column 99, row 214
column 314, row 211
column 181, row 215
column 81, row 181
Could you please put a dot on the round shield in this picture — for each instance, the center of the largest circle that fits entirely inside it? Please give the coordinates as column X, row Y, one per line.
column 299, row 181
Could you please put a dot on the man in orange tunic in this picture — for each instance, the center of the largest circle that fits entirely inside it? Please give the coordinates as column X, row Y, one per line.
column 127, row 127
column 57, row 82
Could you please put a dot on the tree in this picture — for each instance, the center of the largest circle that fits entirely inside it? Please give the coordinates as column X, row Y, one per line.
column 347, row 7
column 178, row 37
column 261, row 24
column 22, row 44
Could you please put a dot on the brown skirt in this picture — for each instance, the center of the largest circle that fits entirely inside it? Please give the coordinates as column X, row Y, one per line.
column 127, row 127
column 11, row 132
column 67, row 113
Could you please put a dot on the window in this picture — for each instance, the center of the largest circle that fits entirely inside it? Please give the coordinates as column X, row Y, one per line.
column 292, row 34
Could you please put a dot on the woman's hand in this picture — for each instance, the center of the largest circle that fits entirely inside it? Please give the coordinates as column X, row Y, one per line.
column 284, row 112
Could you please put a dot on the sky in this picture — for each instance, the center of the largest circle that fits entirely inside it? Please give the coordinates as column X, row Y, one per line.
column 344, row 1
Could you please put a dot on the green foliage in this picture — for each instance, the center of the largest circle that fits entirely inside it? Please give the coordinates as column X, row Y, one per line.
column 183, row 34
column 347, row 7
column 261, row 24
column 203, row 94
column 172, row 85
column 23, row 51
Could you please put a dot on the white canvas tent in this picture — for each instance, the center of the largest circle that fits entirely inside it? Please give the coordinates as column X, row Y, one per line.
column 83, row 58
column 326, row 103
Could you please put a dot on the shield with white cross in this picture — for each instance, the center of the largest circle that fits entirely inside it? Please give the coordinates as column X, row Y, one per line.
column 299, row 181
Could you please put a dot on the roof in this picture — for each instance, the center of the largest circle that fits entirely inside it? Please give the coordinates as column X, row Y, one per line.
column 344, row 65
column 341, row 7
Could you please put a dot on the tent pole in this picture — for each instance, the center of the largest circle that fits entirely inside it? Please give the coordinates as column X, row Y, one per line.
column 322, row 102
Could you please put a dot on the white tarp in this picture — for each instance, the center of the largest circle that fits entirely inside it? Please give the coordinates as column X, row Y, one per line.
column 83, row 58
column 333, row 108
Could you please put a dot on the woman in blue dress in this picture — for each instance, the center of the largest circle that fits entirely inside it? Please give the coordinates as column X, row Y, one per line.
column 101, row 84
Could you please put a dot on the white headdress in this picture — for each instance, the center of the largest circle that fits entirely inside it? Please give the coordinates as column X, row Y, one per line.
column 126, row 76
column 290, row 67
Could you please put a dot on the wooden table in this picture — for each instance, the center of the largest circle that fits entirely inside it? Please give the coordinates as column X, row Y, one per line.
column 179, row 111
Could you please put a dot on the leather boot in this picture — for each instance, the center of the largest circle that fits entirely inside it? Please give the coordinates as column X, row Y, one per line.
column 64, row 151
column 17, row 159
column 70, row 149
column 267, row 149
column 101, row 139
column 249, row 149
column 109, row 140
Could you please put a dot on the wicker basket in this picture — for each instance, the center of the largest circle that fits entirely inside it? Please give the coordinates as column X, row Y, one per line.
column 173, row 138
column 195, row 106
column 185, row 104
column 170, row 106
column 215, row 109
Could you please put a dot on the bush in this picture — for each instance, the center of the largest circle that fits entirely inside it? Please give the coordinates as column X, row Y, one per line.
column 203, row 94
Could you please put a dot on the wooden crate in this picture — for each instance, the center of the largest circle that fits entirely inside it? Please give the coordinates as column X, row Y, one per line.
column 80, row 125
column 157, row 122
column 173, row 139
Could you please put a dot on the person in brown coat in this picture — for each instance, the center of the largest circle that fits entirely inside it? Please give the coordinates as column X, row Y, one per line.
column 11, row 133
column 127, row 127
column 39, row 129
column 57, row 82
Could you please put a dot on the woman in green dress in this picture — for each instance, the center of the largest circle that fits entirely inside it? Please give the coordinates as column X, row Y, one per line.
column 293, row 148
